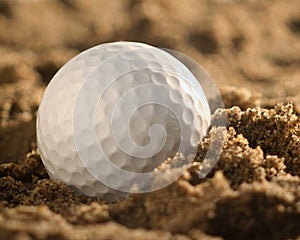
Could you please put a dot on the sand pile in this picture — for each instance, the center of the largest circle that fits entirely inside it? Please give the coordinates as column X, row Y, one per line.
column 253, row 191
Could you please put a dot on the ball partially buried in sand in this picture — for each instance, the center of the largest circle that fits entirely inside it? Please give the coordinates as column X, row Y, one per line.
column 115, row 112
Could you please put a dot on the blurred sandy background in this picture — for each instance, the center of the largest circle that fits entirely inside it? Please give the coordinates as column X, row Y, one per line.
column 242, row 44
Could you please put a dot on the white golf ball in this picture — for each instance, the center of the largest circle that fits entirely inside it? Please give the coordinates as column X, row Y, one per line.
column 115, row 112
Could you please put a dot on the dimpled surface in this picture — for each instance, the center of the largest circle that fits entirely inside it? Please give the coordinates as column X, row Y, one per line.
column 137, row 82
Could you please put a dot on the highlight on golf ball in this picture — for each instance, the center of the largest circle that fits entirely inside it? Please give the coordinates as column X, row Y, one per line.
column 115, row 112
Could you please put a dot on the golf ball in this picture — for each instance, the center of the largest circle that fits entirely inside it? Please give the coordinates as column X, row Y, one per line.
column 115, row 112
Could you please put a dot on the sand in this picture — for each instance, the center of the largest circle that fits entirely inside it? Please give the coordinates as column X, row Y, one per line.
column 250, row 48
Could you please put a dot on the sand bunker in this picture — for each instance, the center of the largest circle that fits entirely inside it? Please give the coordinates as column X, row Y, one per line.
column 250, row 48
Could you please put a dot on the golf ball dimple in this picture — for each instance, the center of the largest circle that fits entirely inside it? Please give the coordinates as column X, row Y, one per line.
column 115, row 112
